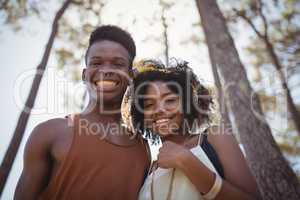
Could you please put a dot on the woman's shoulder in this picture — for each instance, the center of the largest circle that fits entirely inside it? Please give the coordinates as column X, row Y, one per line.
column 220, row 137
column 201, row 139
column 193, row 141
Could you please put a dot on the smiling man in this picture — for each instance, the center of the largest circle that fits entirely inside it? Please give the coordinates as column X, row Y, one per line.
column 89, row 155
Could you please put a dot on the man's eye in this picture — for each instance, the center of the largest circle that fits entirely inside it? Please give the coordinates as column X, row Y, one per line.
column 96, row 65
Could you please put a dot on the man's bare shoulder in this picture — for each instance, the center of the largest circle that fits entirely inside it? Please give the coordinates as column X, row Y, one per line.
column 48, row 131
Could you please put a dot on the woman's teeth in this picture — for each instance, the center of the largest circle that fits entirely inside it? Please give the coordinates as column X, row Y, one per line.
column 161, row 121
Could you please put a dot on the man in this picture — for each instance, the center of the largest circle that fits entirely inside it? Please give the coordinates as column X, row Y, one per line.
column 88, row 156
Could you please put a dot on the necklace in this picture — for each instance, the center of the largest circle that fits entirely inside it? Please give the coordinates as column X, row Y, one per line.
column 172, row 175
column 170, row 185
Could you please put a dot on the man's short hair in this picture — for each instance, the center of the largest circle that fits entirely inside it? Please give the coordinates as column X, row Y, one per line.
column 115, row 34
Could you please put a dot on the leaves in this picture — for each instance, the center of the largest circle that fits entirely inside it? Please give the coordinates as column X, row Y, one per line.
column 15, row 11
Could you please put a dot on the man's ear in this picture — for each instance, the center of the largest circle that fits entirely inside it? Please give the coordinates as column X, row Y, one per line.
column 83, row 75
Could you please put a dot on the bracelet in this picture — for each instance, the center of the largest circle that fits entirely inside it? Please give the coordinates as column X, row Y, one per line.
column 216, row 188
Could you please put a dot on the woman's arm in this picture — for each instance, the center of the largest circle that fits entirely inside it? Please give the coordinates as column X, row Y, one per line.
column 238, row 183
column 203, row 178
column 236, row 170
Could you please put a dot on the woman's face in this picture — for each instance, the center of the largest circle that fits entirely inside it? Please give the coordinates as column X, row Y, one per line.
column 162, row 109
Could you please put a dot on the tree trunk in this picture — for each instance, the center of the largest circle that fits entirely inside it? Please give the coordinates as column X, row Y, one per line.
column 13, row 147
column 225, row 123
column 275, row 178
column 164, row 7
column 165, row 35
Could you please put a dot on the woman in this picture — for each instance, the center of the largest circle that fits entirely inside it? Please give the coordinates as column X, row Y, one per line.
column 171, row 103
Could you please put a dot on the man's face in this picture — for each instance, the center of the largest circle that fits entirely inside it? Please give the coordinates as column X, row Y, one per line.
column 107, row 72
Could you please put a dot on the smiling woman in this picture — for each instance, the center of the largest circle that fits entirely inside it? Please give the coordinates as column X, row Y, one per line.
column 171, row 103
column 169, row 88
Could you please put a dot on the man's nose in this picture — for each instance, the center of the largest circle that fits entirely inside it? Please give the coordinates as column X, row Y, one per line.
column 105, row 72
column 108, row 74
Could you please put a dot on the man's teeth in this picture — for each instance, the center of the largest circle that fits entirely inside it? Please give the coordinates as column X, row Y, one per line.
column 162, row 121
column 106, row 83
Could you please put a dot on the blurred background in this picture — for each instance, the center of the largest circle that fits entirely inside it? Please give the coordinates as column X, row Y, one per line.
column 161, row 29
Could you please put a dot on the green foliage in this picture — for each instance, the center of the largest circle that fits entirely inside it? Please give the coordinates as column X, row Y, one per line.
column 73, row 37
column 14, row 11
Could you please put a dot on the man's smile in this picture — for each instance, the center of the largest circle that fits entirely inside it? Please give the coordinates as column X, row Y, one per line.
column 106, row 85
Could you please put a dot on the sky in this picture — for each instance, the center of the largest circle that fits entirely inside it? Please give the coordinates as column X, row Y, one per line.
column 20, row 52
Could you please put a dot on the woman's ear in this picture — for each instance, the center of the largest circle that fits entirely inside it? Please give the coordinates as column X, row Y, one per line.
column 130, row 72
column 83, row 75
column 130, row 77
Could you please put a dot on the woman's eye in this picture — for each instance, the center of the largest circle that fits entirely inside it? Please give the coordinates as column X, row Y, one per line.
column 120, row 64
column 171, row 100
column 148, row 105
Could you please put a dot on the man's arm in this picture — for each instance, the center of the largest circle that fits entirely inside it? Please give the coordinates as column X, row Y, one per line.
column 37, row 163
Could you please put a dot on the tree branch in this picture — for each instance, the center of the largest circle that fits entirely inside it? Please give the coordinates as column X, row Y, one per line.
column 15, row 142
column 275, row 60
column 263, row 17
column 249, row 21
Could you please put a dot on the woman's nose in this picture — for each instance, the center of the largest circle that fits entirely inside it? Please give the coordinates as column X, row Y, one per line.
column 160, row 108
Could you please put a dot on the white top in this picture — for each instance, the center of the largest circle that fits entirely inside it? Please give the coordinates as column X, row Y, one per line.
column 182, row 186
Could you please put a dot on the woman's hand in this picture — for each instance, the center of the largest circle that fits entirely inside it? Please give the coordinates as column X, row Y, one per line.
column 171, row 155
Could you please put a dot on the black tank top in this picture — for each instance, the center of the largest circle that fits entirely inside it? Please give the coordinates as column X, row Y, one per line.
column 212, row 155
